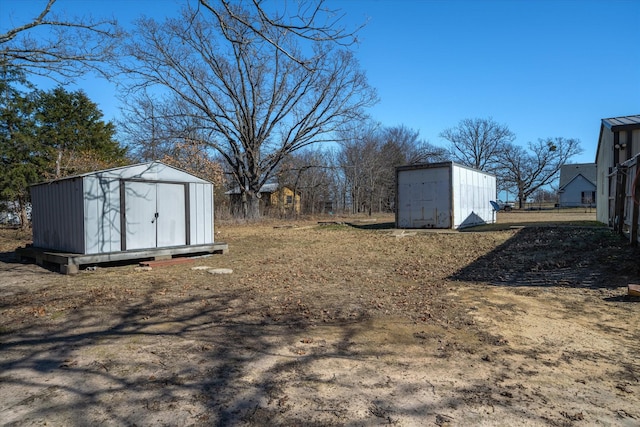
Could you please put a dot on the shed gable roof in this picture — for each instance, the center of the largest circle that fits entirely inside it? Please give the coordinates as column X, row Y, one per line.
column 136, row 171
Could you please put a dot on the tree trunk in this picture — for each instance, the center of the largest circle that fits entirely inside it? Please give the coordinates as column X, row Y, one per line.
column 24, row 219
column 59, row 164
column 252, row 207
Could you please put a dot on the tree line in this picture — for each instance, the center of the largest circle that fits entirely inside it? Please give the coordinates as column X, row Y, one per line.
column 358, row 174
column 239, row 95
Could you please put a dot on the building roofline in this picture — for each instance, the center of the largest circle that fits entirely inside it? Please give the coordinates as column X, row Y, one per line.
column 573, row 179
column 436, row 165
column 617, row 124
column 85, row 174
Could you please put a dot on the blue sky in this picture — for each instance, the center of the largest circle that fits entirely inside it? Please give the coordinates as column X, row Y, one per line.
column 544, row 68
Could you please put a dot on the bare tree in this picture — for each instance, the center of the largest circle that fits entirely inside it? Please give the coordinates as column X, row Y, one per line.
column 369, row 156
column 147, row 127
column 56, row 47
column 528, row 170
column 401, row 146
column 477, row 142
column 311, row 21
column 232, row 72
column 408, row 148
column 310, row 173
column 357, row 162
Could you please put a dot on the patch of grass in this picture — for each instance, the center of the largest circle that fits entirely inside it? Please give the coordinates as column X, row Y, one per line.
column 12, row 238
column 57, row 315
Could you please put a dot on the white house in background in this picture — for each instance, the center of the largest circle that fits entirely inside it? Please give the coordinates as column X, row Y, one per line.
column 578, row 185
column 619, row 142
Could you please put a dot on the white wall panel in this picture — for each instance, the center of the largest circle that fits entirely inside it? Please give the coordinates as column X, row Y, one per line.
column 101, row 214
column 201, row 213
column 171, row 221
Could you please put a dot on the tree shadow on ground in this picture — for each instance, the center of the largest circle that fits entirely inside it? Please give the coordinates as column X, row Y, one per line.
column 155, row 358
column 152, row 360
column 154, row 351
column 211, row 358
column 8, row 257
column 586, row 257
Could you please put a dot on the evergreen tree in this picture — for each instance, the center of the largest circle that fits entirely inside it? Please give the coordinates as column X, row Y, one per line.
column 21, row 157
column 45, row 135
column 70, row 125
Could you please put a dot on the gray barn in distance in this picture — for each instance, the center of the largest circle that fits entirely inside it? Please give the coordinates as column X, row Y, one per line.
column 148, row 210
column 443, row 195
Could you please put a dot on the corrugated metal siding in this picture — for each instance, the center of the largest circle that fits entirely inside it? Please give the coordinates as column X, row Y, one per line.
column 201, row 213
column 632, row 170
column 632, row 183
column 472, row 192
column 57, row 216
column 101, row 214
column 620, row 122
column 605, row 162
column 82, row 214
column 154, row 171
column 171, row 210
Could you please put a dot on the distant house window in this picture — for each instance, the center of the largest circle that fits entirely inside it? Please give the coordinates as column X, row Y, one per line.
column 289, row 200
column 588, row 197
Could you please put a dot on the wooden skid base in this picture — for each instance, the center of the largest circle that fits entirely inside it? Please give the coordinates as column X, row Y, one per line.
column 70, row 263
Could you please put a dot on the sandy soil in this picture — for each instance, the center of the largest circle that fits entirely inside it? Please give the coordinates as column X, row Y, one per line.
column 353, row 325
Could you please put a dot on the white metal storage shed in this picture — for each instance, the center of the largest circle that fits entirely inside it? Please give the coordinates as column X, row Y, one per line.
column 443, row 195
column 143, row 207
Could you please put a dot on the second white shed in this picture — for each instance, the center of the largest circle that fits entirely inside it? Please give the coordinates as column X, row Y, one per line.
column 443, row 195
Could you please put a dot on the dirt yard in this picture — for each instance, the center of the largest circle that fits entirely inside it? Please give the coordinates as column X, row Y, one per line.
column 525, row 322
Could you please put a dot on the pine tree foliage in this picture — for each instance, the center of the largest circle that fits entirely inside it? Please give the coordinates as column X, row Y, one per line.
column 76, row 138
column 47, row 135
column 21, row 156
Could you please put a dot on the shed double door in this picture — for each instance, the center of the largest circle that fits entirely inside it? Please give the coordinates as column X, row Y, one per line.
column 155, row 214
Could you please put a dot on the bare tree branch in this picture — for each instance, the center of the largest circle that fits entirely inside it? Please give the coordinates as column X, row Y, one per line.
column 477, row 142
column 253, row 103
column 58, row 48
column 305, row 24
column 528, row 171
